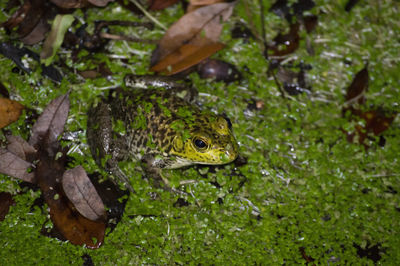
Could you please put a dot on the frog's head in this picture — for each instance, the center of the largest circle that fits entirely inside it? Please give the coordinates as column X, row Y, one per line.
column 209, row 140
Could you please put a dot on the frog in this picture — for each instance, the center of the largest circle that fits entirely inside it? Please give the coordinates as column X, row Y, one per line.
column 155, row 121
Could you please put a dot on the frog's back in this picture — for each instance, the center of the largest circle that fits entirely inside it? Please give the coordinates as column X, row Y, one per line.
column 148, row 116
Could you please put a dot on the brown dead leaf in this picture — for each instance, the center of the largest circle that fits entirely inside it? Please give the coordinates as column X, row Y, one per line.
column 66, row 219
column 18, row 16
column 21, row 148
column 376, row 120
column 51, row 122
column 357, row 88
column 48, row 175
column 6, row 201
column 285, row 44
column 185, row 57
column 37, row 34
column 70, row 3
column 32, row 20
column 52, row 161
column 100, row 2
column 80, row 3
column 161, row 4
column 32, row 17
column 81, row 192
column 200, row 27
column 204, row 2
column 9, row 111
column 100, row 71
column 193, row 5
column 12, row 165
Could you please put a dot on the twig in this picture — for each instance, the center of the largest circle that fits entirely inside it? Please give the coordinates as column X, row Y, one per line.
column 283, row 95
column 251, row 22
column 148, row 15
column 126, row 38
column 264, row 40
column 103, row 23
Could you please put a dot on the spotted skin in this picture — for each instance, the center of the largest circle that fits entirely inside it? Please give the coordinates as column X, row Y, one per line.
column 159, row 127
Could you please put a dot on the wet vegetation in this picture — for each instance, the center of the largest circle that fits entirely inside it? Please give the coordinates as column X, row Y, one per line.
column 311, row 89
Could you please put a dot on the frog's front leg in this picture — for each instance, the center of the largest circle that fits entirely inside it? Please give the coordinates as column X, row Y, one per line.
column 103, row 146
column 153, row 166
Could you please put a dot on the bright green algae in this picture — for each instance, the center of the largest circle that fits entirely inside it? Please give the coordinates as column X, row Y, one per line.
column 313, row 189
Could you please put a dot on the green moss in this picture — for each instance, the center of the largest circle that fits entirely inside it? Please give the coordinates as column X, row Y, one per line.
column 304, row 187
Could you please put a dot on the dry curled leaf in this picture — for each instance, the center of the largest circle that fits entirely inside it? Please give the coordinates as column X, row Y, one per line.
column 51, row 122
column 357, row 88
column 12, row 165
column 185, row 57
column 200, row 27
column 81, row 192
column 9, row 111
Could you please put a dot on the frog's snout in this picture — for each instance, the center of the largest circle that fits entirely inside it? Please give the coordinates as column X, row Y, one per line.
column 230, row 153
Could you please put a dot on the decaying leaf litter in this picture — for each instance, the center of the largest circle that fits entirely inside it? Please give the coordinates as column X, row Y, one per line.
column 284, row 73
column 75, row 192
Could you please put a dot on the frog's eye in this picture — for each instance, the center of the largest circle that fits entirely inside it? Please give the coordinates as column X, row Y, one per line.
column 201, row 144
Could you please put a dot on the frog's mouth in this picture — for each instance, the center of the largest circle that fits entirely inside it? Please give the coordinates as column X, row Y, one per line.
column 179, row 162
column 217, row 156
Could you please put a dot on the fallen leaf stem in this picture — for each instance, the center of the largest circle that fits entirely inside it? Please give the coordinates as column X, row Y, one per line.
column 147, row 14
